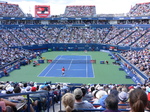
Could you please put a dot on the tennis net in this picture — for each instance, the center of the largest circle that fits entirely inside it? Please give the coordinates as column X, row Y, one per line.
column 73, row 61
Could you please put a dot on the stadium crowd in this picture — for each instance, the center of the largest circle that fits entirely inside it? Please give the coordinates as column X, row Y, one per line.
column 10, row 10
column 13, row 56
column 54, row 22
column 141, row 9
column 88, row 95
column 141, row 59
column 13, row 10
column 83, row 35
column 115, row 36
column 122, row 36
column 111, row 34
column 133, row 22
column 133, row 37
column 80, row 11
column 136, row 37
column 71, row 22
column 21, row 36
column 145, row 40
column 8, row 38
column 9, row 55
column 125, row 37
column 91, row 96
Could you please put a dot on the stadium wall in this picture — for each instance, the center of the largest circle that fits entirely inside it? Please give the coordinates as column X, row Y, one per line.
column 78, row 25
column 77, row 47
column 76, row 18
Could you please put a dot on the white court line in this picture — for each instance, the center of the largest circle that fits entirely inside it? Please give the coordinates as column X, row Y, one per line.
column 53, row 66
column 68, row 77
column 70, row 64
column 77, row 69
column 73, row 69
column 86, row 68
column 93, row 70
column 42, row 71
column 45, row 68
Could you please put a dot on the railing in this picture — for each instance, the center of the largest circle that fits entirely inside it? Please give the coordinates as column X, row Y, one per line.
column 103, row 110
column 11, row 63
column 144, row 77
column 28, row 98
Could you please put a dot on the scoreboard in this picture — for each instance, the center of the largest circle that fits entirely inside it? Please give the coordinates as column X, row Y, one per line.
column 42, row 11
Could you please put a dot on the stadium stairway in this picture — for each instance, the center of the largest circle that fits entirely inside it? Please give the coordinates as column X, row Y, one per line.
column 139, row 38
column 126, row 37
column 115, row 36
column 18, row 41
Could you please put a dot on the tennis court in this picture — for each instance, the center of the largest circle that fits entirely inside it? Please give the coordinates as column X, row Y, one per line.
column 78, row 69
column 75, row 66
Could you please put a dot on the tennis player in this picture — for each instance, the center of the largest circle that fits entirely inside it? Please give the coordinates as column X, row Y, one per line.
column 63, row 71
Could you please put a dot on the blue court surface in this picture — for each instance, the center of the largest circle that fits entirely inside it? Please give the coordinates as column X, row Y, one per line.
column 76, row 66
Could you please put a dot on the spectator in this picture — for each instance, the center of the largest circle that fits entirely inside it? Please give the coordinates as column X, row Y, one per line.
column 56, row 92
column 147, row 107
column 111, row 103
column 9, row 89
column 17, row 106
column 20, row 98
column 64, row 88
column 79, row 103
column 86, row 96
column 94, row 99
column 36, row 99
column 123, row 97
column 68, row 101
column 148, row 94
column 4, row 107
column 17, row 98
column 99, row 95
column 102, row 102
column 138, row 100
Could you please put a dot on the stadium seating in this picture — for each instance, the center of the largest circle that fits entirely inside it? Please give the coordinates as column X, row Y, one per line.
column 140, row 9
column 12, row 39
column 80, row 11
column 142, row 55
column 36, row 36
column 51, row 95
column 10, row 10
column 143, row 41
